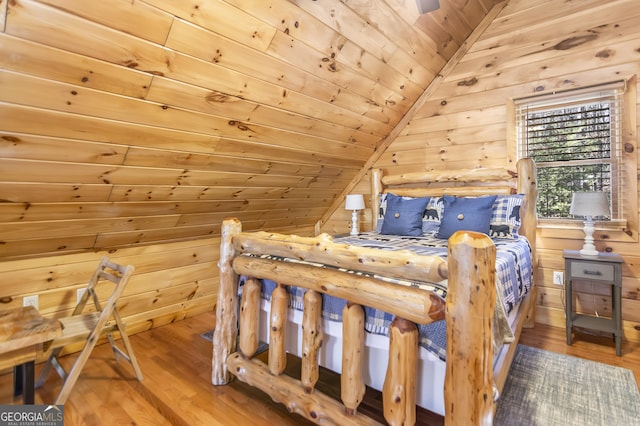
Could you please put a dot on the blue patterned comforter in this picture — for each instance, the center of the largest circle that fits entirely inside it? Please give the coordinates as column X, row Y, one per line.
column 514, row 278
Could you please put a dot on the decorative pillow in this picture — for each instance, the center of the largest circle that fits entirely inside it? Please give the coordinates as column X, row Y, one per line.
column 381, row 210
column 466, row 214
column 432, row 214
column 403, row 215
column 505, row 219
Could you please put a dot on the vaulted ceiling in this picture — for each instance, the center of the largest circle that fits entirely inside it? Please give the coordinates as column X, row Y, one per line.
column 134, row 122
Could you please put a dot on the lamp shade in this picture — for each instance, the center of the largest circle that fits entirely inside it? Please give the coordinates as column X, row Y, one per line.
column 590, row 204
column 426, row 6
column 354, row 202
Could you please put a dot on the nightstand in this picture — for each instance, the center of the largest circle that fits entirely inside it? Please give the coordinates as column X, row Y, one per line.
column 604, row 269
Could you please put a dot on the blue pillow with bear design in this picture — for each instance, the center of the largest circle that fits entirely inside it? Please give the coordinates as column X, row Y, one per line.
column 505, row 220
column 432, row 214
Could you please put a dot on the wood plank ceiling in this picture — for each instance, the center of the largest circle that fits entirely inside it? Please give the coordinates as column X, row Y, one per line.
column 137, row 122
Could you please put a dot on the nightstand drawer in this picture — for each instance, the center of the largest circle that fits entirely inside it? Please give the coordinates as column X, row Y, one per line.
column 592, row 271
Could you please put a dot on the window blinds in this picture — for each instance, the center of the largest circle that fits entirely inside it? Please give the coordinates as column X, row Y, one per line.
column 574, row 137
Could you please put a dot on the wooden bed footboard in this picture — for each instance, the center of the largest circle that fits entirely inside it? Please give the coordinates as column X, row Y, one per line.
column 469, row 314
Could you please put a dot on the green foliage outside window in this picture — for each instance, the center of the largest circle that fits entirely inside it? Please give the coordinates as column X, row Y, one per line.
column 572, row 147
column 558, row 183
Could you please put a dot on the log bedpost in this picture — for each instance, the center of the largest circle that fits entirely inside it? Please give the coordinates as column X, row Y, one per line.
column 226, row 331
column 471, row 297
column 528, row 185
column 376, row 190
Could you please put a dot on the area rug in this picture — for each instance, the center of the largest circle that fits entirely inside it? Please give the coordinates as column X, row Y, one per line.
column 207, row 335
column 545, row 388
column 548, row 389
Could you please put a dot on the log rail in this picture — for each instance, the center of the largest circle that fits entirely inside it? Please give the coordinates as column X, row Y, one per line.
column 469, row 322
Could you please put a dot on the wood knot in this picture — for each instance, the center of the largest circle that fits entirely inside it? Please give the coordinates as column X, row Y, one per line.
column 239, row 125
column 604, row 54
column 571, row 42
column 469, row 82
column 217, row 97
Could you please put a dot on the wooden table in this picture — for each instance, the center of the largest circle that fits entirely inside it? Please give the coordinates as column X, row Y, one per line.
column 22, row 331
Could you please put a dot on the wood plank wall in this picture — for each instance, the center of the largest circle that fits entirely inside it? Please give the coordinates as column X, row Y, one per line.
column 534, row 46
column 133, row 128
column 136, row 124
column 170, row 282
column 133, row 123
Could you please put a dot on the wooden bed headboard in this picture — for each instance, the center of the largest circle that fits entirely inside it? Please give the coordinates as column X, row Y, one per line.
column 464, row 183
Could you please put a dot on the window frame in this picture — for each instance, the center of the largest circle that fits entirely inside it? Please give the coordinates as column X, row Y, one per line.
column 624, row 228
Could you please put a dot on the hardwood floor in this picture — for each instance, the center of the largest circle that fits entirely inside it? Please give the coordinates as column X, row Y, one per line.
column 177, row 390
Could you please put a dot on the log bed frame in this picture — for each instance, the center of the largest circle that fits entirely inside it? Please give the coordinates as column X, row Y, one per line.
column 470, row 374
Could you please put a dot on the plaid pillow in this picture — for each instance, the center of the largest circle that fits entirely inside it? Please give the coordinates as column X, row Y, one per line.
column 505, row 218
column 432, row 215
column 381, row 211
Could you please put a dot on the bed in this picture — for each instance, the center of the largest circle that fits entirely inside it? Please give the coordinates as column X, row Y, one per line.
column 455, row 292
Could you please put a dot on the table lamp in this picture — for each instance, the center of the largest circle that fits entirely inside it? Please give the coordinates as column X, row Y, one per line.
column 589, row 205
column 354, row 203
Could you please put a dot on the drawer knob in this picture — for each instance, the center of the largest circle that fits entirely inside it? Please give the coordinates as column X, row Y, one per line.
column 588, row 272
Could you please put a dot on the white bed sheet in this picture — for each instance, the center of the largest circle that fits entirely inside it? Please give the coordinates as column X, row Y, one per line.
column 431, row 369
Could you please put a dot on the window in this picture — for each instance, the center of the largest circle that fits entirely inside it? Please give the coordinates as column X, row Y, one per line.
column 575, row 139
